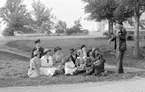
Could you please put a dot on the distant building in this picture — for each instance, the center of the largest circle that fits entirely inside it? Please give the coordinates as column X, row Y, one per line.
column 103, row 27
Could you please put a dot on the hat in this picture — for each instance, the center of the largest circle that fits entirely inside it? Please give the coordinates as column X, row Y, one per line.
column 72, row 50
column 79, row 52
column 46, row 50
column 36, row 52
column 98, row 49
column 56, row 49
column 37, row 41
column 83, row 46
column 119, row 22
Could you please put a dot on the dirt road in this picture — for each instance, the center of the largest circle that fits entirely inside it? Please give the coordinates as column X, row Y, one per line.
column 134, row 85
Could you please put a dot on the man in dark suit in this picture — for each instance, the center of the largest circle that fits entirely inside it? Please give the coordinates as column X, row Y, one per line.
column 38, row 48
column 120, row 45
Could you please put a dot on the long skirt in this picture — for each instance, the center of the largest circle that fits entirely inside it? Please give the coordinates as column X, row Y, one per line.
column 32, row 73
column 48, row 71
column 70, row 70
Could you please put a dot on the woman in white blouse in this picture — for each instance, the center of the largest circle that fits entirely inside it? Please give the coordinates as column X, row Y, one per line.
column 69, row 67
column 47, row 64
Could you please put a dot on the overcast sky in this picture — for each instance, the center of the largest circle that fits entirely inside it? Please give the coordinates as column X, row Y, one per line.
column 66, row 10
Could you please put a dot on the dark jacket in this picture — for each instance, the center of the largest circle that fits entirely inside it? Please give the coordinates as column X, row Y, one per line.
column 73, row 58
column 40, row 51
column 100, row 65
column 120, row 40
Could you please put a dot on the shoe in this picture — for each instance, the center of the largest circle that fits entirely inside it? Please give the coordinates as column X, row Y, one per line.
column 104, row 73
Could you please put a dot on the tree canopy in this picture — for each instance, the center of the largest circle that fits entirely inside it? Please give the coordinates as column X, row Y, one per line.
column 107, row 10
column 43, row 17
column 60, row 27
column 15, row 15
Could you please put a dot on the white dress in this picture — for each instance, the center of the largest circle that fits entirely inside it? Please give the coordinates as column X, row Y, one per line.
column 47, row 66
column 34, row 67
column 70, row 68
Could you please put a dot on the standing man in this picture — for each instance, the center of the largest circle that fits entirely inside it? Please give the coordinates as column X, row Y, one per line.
column 120, row 45
column 38, row 48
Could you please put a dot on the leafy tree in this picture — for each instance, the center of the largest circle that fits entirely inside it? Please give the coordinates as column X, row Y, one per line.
column 43, row 17
column 109, row 10
column 61, row 27
column 15, row 15
column 101, row 10
column 131, row 22
column 77, row 28
column 138, row 6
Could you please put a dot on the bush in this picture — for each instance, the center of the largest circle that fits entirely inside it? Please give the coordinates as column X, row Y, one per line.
column 70, row 31
column 59, row 31
column 75, row 29
column 27, row 30
column 8, row 31
column 105, row 34
column 85, row 31
column 129, row 38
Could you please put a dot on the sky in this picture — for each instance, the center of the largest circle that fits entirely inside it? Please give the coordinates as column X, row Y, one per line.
column 65, row 10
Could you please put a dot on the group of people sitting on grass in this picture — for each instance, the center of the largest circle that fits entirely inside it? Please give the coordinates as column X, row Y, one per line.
column 50, row 62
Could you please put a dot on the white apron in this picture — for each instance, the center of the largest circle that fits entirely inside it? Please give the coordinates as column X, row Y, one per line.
column 47, row 66
column 70, row 68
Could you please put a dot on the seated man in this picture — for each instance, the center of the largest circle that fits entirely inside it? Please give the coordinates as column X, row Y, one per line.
column 38, row 48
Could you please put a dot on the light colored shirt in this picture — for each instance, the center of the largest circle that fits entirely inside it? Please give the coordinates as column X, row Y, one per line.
column 46, row 62
column 70, row 64
column 35, row 63
column 58, row 58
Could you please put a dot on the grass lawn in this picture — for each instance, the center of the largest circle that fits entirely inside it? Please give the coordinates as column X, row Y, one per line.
column 25, row 46
column 13, row 68
column 13, row 72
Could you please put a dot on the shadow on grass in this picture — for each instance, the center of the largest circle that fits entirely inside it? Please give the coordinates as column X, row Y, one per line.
column 62, row 79
column 9, row 56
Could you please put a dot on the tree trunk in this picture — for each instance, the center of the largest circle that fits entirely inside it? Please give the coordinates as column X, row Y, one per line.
column 136, row 33
column 110, row 28
column 136, row 38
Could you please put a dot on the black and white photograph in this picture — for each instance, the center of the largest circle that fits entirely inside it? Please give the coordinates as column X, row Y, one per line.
column 72, row 45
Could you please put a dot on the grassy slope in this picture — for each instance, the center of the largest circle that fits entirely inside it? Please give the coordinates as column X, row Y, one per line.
column 66, row 44
column 13, row 68
column 13, row 72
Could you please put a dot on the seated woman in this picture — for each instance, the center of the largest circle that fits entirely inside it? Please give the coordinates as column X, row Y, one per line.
column 97, row 66
column 47, row 64
column 59, row 60
column 80, row 63
column 73, row 55
column 84, row 51
column 35, row 64
column 70, row 67
column 90, row 58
